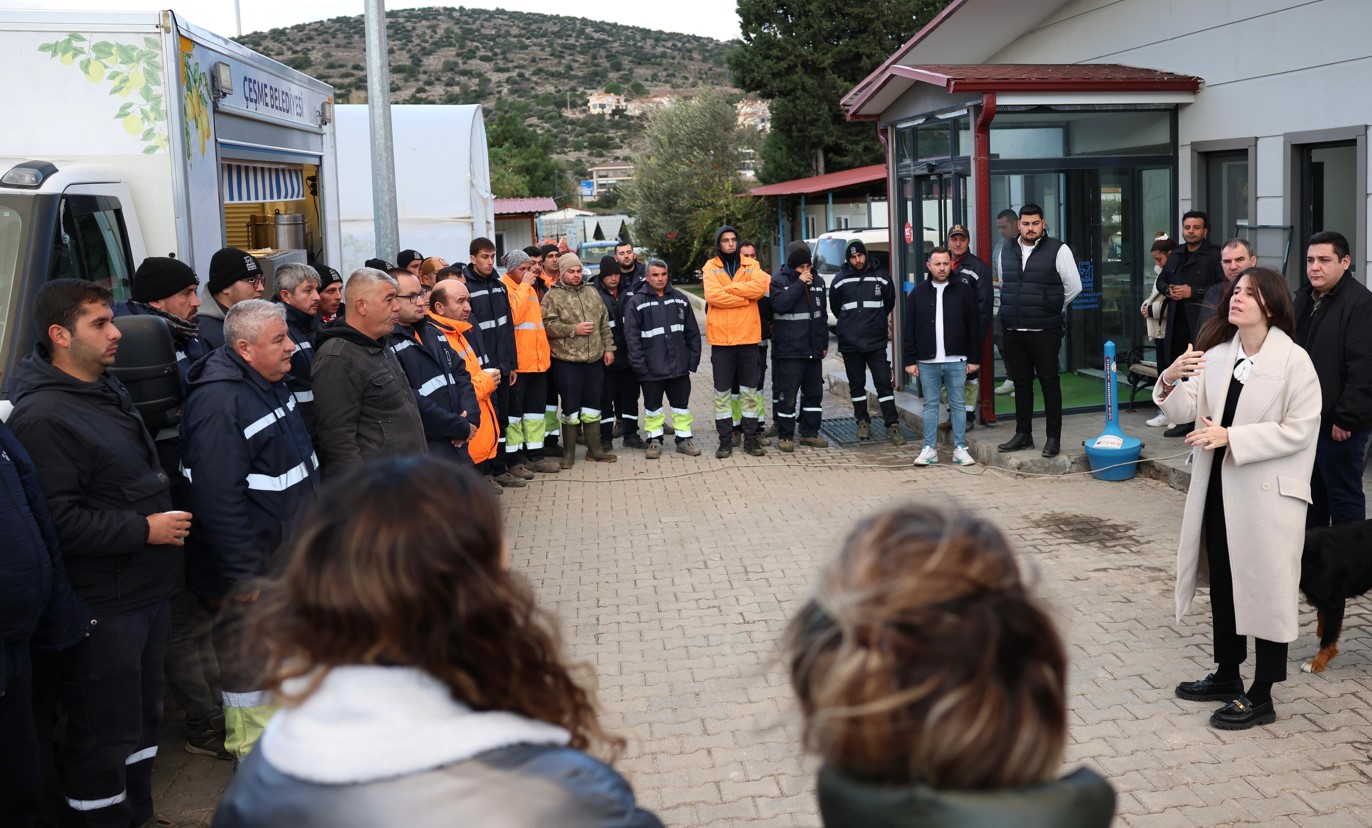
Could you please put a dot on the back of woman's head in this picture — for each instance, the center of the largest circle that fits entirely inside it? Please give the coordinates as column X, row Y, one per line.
column 922, row 658
column 400, row 563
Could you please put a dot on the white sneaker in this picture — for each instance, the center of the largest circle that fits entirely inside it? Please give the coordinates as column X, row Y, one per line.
column 1159, row 421
column 1006, row 387
column 962, row 457
column 928, row 457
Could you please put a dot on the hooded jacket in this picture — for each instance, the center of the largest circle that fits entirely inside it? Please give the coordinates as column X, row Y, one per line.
column 252, row 469
column 390, row 746
column 101, row 478
column 211, row 318
column 363, row 404
column 36, row 600
column 800, row 327
column 492, row 316
column 447, row 402
column 861, row 304
column 614, row 308
column 733, row 286
column 563, row 308
column 1080, row 800
column 531, row 340
column 302, row 327
column 661, row 334
column 441, row 332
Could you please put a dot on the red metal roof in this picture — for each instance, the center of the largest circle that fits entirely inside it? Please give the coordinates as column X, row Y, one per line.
column 823, row 183
column 1049, row 77
column 524, row 206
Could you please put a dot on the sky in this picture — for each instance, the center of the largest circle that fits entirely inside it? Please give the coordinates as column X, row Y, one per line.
column 708, row 18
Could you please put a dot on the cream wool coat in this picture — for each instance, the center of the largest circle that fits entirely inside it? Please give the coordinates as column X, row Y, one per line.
column 1266, row 477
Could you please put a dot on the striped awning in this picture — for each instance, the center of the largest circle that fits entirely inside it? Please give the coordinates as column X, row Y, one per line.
column 244, row 183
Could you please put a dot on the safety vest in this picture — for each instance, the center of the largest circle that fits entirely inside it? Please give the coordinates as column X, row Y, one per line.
column 531, row 340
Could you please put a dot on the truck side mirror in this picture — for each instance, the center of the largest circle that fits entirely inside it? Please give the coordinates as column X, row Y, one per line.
column 146, row 364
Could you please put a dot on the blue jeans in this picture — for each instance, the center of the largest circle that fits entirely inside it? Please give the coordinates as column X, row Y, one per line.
column 935, row 377
column 1336, row 483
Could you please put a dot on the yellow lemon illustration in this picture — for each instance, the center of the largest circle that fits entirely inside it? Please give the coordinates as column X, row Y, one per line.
column 68, row 58
column 133, row 125
column 96, row 71
column 136, row 80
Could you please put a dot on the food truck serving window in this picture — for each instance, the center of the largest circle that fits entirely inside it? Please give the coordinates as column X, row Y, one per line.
column 248, row 183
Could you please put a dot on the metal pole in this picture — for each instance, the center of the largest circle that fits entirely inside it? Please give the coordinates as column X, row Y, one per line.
column 385, row 220
column 238, row 16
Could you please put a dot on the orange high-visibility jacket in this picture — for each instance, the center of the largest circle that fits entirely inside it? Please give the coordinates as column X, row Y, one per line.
column 732, row 316
column 483, row 443
column 531, row 340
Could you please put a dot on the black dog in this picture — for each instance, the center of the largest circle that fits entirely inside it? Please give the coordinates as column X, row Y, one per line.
column 1336, row 565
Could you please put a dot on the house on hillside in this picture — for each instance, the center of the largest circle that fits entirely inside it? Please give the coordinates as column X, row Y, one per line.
column 607, row 176
column 755, row 115
column 1117, row 118
column 604, row 103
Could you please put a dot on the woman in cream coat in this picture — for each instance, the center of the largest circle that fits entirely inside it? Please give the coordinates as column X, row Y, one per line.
column 1256, row 401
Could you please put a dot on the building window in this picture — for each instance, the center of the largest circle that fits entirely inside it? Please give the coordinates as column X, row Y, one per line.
column 1226, row 196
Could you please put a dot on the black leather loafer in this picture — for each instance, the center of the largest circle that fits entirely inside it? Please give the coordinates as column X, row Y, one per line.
column 1241, row 714
column 1019, row 442
column 1207, row 689
column 1051, row 447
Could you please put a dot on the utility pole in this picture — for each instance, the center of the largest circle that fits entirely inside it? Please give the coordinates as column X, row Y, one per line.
column 385, row 221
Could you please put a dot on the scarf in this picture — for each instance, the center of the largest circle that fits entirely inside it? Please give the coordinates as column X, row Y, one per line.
column 182, row 331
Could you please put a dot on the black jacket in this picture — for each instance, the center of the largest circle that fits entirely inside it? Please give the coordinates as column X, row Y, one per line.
column 1200, row 270
column 362, row 401
column 961, row 323
column 1338, row 337
column 302, row 328
column 975, row 273
column 614, row 306
column 861, row 304
column 252, row 468
column 1031, row 292
column 36, row 600
column 800, row 327
column 661, row 334
column 442, row 388
column 102, row 478
column 491, row 315
column 1080, row 800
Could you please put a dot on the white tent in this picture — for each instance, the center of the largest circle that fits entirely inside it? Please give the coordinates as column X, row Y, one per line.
column 443, row 180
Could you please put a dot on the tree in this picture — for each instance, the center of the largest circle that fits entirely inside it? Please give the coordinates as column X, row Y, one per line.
column 804, row 55
column 686, row 182
column 521, row 160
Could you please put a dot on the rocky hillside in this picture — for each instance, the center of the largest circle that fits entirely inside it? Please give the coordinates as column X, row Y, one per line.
column 541, row 66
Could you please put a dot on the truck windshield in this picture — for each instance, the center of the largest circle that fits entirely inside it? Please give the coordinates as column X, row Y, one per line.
column 828, row 257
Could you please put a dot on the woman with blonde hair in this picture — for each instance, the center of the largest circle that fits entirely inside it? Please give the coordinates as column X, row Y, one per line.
column 421, row 685
column 933, row 684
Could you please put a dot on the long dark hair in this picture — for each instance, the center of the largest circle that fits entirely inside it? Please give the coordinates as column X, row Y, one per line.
column 384, row 573
column 1272, row 295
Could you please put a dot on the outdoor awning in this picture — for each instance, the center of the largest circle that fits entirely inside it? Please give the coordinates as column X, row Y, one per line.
column 243, row 183
column 824, row 183
column 524, row 206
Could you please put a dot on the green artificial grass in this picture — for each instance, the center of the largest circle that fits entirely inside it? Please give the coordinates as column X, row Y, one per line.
column 1078, row 391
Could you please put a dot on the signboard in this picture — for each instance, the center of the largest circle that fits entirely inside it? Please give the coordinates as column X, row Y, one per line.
column 587, row 188
column 262, row 96
column 909, row 233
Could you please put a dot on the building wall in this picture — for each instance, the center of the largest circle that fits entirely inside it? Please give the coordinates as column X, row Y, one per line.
column 518, row 232
column 856, row 213
column 1275, row 71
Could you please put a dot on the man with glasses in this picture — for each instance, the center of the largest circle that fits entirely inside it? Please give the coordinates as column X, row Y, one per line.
column 362, row 401
column 235, row 275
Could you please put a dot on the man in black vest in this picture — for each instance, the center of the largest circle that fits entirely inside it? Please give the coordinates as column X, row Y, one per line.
column 1039, row 278
column 1189, row 271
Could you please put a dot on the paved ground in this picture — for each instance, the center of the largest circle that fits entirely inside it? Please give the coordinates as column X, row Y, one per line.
column 674, row 579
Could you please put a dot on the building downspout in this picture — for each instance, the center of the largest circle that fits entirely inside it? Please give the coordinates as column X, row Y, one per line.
column 895, row 257
column 981, row 181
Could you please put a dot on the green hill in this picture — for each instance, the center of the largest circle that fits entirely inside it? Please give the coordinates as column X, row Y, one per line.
column 538, row 69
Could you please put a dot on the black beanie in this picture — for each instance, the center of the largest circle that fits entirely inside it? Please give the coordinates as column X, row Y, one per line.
column 159, row 277
column 797, row 254
column 533, row 252
column 229, row 265
column 548, row 248
column 407, row 256
column 379, row 264
column 327, row 275
column 855, row 247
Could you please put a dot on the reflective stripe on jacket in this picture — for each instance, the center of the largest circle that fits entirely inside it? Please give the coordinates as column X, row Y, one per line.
column 482, row 444
column 531, row 339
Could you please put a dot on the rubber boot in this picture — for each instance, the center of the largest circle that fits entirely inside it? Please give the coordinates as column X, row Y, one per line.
column 569, row 435
column 594, row 450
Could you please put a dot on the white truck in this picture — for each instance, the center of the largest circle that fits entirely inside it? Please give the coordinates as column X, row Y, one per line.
column 136, row 134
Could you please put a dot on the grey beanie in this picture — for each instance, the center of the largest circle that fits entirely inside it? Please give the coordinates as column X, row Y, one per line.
column 514, row 259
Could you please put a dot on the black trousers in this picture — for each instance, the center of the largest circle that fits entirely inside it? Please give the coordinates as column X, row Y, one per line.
column 806, row 377
column 677, row 390
column 735, row 366
column 619, row 400
column 1230, row 647
column 857, row 364
column 110, row 688
column 762, row 376
column 503, row 404
column 21, row 780
column 580, row 385
column 528, row 402
column 1030, row 354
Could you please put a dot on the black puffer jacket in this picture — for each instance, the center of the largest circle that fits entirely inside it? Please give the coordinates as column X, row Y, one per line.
column 252, row 468
column 661, row 333
column 101, row 478
column 861, row 304
column 800, row 328
column 614, row 306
